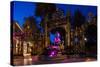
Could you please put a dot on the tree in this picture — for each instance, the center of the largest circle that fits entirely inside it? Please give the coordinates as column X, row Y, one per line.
column 79, row 19
column 91, row 44
column 30, row 23
column 44, row 8
column 30, row 27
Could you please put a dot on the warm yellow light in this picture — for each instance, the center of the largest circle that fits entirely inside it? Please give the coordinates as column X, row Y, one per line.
column 28, row 27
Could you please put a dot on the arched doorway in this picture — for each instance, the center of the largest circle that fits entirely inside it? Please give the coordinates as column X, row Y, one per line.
column 58, row 40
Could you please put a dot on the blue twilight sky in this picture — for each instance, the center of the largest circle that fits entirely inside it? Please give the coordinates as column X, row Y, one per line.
column 26, row 9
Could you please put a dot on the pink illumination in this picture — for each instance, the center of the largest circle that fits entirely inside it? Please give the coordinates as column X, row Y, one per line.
column 57, row 39
column 52, row 53
column 54, row 46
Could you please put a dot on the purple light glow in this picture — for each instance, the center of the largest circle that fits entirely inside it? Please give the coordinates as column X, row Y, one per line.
column 57, row 39
column 58, row 34
column 52, row 54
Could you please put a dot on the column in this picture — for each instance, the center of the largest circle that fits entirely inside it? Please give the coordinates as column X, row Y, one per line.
column 45, row 30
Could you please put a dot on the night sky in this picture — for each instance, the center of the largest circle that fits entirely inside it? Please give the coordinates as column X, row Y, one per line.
column 26, row 9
